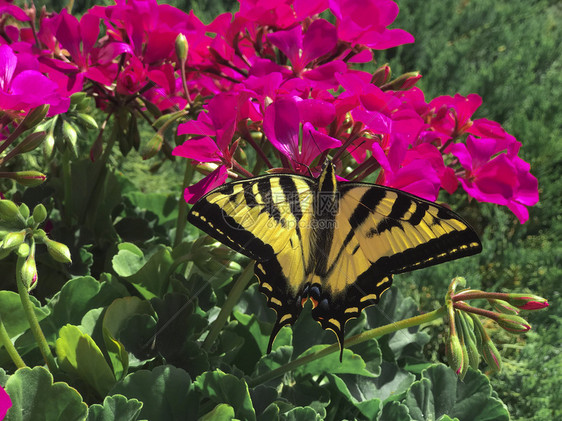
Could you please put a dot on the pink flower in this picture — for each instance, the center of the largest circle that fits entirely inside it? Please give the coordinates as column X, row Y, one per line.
column 132, row 78
column 192, row 193
column 449, row 117
column 5, row 403
column 282, row 125
column 319, row 39
column 23, row 89
column 365, row 22
column 276, row 14
column 503, row 179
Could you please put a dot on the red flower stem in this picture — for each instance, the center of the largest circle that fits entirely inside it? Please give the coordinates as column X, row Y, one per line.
column 241, row 169
column 361, row 167
column 248, row 138
column 369, row 170
column 479, row 294
column 459, row 305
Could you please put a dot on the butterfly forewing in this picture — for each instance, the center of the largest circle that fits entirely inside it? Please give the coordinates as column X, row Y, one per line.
column 268, row 219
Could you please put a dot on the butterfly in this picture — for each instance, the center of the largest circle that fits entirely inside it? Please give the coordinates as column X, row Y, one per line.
column 335, row 243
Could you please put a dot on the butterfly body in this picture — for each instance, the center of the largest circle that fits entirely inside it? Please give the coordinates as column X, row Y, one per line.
column 334, row 243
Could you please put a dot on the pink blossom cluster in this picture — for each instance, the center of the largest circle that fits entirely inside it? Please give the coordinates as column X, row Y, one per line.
column 274, row 77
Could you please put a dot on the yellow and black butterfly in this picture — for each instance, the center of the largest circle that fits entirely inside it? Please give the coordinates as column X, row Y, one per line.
column 334, row 243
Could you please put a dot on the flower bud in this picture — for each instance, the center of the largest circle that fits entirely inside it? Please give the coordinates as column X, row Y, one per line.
column 39, row 213
column 23, row 250
column 402, row 82
column 381, row 75
column 469, row 340
column 527, row 301
column 58, row 251
column 24, row 211
column 503, row 306
column 70, row 137
column 8, row 210
column 13, row 240
column 48, row 146
column 77, row 97
column 182, row 48
column 27, row 178
column 31, row 142
column 513, row 323
column 455, row 354
column 34, row 117
column 29, row 272
column 491, row 355
column 87, row 120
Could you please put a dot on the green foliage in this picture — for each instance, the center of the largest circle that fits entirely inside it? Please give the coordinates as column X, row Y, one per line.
column 509, row 53
column 128, row 319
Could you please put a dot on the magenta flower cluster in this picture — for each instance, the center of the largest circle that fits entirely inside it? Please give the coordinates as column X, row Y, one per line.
column 274, row 68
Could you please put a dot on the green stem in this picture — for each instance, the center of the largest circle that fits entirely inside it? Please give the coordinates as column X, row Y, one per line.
column 10, row 348
column 182, row 207
column 67, row 182
column 28, row 308
column 228, row 305
column 354, row 340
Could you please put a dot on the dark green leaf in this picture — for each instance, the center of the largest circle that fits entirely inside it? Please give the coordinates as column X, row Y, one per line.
column 220, row 387
column 113, row 321
column 165, row 206
column 439, row 392
column 115, row 408
column 166, row 392
column 394, row 411
column 13, row 316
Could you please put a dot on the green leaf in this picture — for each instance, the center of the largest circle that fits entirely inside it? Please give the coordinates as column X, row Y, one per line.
column 78, row 354
column 13, row 316
column 351, row 364
column 166, row 392
column 439, row 392
column 80, row 295
column 220, row 387
column 116, row 407
column 176, row 314
column 394, row 411
column 148, row 277
column 275, row 359
column 367, row 394
column 368, row 405
column 394, row 306
column 164, row 206
column 129, row 260
column 35, row 397
column 222, row 412
column 302, row 414
column 113, row 321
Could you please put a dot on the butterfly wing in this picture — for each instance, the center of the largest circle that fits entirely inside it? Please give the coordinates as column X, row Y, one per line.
column 379, row 232
column 266, row 218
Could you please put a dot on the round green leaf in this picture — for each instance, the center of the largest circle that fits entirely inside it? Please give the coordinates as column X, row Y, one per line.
column 116, row 407
column 36, row 398
column 166, row 393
